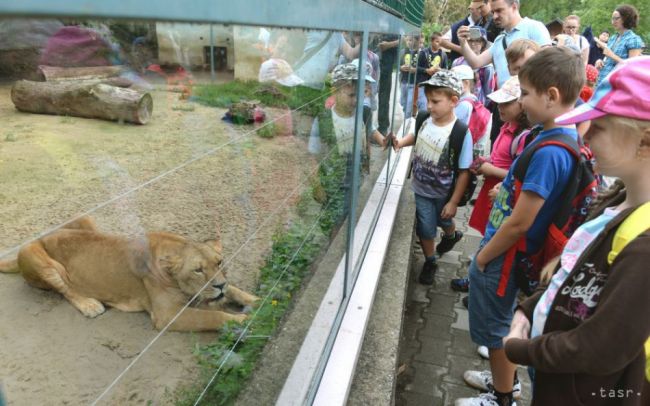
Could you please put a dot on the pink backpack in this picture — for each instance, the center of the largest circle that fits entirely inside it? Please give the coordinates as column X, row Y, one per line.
column 479, row 119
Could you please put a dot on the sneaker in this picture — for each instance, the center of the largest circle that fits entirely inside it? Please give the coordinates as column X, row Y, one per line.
column 482, row 380
column 483, row 352
column 447, row 243
column 460, row 284
column 428, row 271
column 466, row 301
column 484, row 399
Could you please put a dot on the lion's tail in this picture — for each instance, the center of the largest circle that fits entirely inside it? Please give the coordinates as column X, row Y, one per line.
column 10, row 266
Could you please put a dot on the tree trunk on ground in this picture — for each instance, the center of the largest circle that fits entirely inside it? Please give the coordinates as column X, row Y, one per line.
column 91, row 100
column 55, row 73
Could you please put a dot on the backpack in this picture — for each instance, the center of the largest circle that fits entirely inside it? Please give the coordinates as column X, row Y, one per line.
column 456, row 139
column 572, row 211
column 634, row 225
column 478, row 120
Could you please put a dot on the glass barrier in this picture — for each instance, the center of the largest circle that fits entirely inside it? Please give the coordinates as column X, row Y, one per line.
column 177, row 198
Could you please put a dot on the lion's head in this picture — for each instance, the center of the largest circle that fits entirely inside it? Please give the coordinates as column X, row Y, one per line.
column 196, row 267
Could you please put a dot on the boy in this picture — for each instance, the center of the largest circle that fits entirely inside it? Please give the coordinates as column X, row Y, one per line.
column 550, row 82
column 436, row 202
column 430, row 61
column 519, row 52
column 408, row 69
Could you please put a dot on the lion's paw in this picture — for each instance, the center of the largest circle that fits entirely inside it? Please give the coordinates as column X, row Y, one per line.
column 240, row 318
column 91, row 307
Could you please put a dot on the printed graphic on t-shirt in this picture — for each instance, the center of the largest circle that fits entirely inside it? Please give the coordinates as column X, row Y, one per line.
column 583, row 291
column 431, row 153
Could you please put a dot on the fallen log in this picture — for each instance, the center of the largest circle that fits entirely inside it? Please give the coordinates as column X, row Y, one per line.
column 94, row 100
column 54, row 73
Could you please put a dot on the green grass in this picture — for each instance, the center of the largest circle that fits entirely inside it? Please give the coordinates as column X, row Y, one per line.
column 269, row 130
column 299, row 97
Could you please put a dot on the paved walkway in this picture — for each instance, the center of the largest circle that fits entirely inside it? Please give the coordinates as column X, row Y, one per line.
column 435, row 346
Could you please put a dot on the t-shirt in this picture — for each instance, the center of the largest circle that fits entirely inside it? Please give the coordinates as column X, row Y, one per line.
column 581, row 238
column 501, row 156
column 463, row 109
column 432, row 172
column 314, row 70
column 621, row 47
column 344, row 132
column 527, row 28
column 410, row 58
column 428, row 59
column 548, row 173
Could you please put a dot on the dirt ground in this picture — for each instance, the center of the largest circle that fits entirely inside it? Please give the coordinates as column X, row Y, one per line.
column 54, row 168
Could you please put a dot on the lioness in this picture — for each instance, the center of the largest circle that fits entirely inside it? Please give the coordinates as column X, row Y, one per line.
column 158, row 273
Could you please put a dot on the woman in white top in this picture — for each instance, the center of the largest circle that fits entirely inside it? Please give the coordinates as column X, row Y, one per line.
column 571, row 28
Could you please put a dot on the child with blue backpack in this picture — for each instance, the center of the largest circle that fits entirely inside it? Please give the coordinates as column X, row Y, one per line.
column 584, row 333
column 522, row 216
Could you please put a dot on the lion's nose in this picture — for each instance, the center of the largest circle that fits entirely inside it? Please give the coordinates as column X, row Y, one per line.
column 219, row 285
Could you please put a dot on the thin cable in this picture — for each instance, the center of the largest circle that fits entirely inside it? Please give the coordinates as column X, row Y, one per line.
column 250, row 321
column 225, row 265
column 153, row 180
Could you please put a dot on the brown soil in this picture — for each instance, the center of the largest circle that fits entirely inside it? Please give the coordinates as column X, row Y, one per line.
column 54, row 168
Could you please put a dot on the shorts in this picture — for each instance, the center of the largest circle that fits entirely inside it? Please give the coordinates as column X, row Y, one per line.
column 490, row 315
column 427, row 214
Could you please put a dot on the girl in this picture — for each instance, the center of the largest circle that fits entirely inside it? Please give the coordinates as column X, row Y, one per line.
column 496, row 168
column 584, row 333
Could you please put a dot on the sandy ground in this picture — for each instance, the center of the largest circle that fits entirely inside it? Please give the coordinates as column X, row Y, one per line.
column 54, row 168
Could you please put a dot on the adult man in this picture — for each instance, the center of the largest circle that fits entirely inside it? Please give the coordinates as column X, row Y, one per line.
column 505, row 14
column 387, row 58
column 450, row 38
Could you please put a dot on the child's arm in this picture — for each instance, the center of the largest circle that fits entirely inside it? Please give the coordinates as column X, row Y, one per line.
column 449, row 211
column 522, row 218
column 406, row 141
column 487, row 169
column 379, row 138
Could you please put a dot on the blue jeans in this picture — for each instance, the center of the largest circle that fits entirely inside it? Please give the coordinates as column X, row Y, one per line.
column 490, row 315
column 427, row 213
column 406, row 99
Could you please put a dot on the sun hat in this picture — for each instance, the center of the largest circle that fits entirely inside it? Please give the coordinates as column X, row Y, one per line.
column 445, row 78
column 510, row 91
column 622, row 93
column 464, row 72
column 350, row 71
column 280, row 71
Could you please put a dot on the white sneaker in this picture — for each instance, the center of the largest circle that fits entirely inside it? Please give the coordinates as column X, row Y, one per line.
column 484, row 399
column 483, row 352
column 482, row 380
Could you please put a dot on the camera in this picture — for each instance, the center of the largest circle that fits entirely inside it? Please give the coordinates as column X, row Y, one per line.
column 474, row 33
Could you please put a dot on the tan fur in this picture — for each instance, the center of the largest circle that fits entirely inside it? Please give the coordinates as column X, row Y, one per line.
column 158, row 273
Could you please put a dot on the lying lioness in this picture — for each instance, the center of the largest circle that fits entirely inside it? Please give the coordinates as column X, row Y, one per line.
column 158, row 273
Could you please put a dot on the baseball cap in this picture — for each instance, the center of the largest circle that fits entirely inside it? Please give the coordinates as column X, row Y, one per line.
column 350, row 71
column 464, row 72
column 622, row 93
column 510, row 91
column 445, row 78
column 280, row 71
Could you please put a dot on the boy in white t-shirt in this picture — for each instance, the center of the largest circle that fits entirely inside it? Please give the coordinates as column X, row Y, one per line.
column 436, row 197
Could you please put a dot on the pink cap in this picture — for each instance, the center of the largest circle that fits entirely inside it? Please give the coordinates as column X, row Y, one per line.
column 624, row 93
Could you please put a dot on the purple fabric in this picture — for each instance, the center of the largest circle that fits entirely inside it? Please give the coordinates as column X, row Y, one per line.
column 76, row 47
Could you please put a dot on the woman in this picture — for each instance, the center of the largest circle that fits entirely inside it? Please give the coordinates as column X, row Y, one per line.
column 622, row 45
column 571, row 28
column 584, row 334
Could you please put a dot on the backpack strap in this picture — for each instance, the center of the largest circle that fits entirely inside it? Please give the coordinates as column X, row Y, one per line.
column 519, row 172
column 634, row 225
column 456, row 140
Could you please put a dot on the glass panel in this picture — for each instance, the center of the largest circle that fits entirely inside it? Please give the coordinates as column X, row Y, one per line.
column 200, row 152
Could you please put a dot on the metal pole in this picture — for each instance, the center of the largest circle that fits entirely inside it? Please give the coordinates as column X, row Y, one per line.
column 356, row 162
column 213, row 75
column 392, row 117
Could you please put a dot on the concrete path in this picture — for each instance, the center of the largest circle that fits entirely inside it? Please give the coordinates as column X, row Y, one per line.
column 435, row 347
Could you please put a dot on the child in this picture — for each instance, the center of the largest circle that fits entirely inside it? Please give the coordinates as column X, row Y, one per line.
column 435, row 201
column 589, row 343
column 550, row 82
column 494, row 170
column 472, row 112
column 408, row 69
column 430, row 61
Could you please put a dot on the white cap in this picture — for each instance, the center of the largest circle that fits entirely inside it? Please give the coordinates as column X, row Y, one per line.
column 463, row 72
column 369, row 70
column 280, row 71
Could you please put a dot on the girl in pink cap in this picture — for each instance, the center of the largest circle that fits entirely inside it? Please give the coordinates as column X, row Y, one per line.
column 584, row 332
